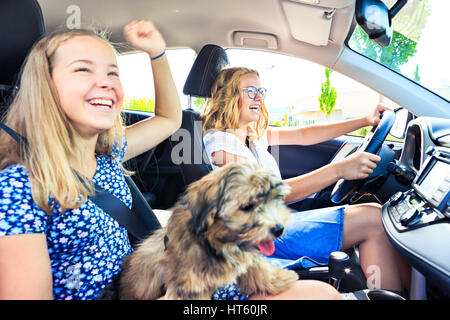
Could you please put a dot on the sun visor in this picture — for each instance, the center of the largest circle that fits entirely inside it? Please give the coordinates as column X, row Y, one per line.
column 311, row 24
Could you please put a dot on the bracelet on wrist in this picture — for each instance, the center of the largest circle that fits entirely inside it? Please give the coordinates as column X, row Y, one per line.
column 158, row 56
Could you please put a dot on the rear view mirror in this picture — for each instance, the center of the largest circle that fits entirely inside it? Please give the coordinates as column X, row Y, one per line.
column 376, row 19
column 399, row 127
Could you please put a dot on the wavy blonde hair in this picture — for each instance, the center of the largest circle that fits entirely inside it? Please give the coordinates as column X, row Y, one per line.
column 221, row 111
column 35, row 113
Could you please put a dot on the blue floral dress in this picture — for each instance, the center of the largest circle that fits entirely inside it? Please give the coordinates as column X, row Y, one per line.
column 85, row 245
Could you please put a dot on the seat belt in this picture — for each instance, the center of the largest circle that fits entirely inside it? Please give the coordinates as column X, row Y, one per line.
column 119, row 211
column 20, row 140
column 138, row 224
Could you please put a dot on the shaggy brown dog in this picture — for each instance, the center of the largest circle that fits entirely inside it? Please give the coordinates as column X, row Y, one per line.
column 212, row 239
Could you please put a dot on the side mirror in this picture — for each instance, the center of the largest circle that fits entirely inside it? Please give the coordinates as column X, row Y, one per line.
column 376, row 19
column 399, row 127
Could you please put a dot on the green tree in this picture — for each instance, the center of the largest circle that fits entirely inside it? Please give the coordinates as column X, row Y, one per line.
column 393, row 56
column 363, row 131
column 328, row 95
column 416, row 74
column 277, row 123
column 199, row 102
column 139, row 104
column 412, row 19
column 408, row 27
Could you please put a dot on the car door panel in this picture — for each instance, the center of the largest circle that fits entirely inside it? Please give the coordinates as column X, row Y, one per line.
column 296, row 160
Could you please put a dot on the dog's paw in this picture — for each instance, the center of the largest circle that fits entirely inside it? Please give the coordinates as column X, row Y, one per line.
column 282, row 280
column 289, row 276
column 186, row 293
column 266, row 281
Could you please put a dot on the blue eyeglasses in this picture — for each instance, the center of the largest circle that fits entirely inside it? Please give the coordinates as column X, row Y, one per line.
column 252, row 92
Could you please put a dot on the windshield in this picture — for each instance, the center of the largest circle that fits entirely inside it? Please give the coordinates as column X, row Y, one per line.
column 419, row 48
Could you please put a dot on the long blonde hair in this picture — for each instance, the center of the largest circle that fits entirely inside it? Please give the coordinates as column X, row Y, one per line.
column 221, row 111
column 35, row 113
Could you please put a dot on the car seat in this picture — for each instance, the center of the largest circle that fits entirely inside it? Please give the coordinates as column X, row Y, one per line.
column 181, row 159
column 210, row 60
column 22, row 25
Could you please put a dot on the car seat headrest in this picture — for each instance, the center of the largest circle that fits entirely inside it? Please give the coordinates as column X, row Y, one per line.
column 21, row 25
column 210, row 60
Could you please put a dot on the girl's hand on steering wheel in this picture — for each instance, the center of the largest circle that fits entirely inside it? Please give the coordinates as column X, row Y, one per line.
column 358, row 165
column 374, row 117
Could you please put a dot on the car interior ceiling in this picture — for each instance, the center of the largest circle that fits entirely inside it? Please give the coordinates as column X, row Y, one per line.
column 159, row 181
column 248, row 31
column 201, row 73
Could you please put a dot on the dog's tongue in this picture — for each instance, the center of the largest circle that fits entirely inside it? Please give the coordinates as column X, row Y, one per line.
column 267, row 248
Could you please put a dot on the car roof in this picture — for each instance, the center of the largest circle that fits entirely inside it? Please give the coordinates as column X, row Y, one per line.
column 289, row 27
column 314, row 30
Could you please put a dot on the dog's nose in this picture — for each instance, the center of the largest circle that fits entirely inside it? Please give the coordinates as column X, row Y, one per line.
column 277, row 230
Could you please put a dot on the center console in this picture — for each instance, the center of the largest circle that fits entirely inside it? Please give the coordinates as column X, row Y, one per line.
column 417, row 221
column 429, row 199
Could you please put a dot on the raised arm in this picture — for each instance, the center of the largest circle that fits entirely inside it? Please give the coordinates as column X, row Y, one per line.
column 146, row 134
column 322, row 132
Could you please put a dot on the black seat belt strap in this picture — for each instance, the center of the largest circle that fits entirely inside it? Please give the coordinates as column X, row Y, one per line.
column 20, row 140
column 138, row 225
column 120, row 212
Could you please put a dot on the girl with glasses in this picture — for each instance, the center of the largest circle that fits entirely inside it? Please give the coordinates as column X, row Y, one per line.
column 235, row 126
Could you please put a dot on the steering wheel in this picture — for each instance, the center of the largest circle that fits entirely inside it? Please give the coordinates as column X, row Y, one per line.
column 372, row 143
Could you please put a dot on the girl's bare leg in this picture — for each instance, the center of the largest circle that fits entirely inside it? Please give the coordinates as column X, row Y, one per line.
column 379, row 261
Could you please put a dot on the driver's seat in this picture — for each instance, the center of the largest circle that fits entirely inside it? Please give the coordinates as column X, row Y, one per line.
column 210, row 60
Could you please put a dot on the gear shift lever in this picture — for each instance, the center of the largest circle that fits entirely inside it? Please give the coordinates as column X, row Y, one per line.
column 338, row 263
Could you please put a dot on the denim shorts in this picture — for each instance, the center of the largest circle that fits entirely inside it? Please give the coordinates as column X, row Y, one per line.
column 314, row 234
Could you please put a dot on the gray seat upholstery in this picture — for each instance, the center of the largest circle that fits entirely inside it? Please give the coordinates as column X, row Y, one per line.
column 21, row 25
column 209, row 62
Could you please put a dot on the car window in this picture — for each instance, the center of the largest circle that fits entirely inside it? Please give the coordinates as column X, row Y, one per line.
column 301, row 93
column 419, row 46
column 137, row 81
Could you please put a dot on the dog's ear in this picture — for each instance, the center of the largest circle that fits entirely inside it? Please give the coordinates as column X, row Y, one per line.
column 201, row 204
column 202, row 218
column 203, row 199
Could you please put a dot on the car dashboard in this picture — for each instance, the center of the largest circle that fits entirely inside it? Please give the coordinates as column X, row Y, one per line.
column 423, row 133
column 417, row 221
